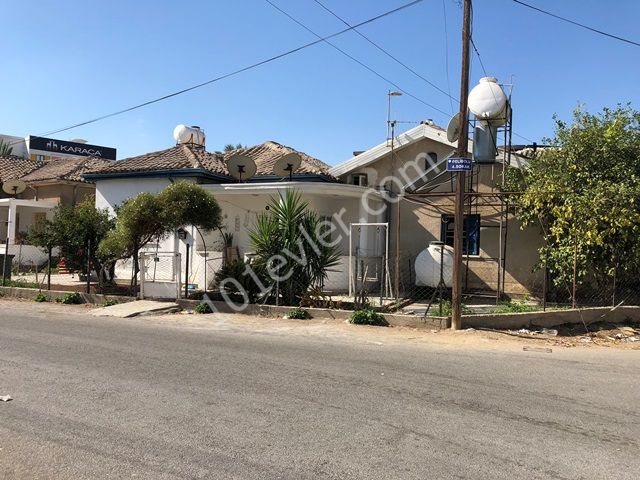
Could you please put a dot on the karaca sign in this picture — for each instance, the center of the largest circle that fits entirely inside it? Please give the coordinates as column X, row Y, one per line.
column 71, row 148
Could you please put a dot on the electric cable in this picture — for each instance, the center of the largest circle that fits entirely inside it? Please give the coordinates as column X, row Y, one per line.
column 386, row 52
column 581, row 25
column 230, row 74
column 379, row 75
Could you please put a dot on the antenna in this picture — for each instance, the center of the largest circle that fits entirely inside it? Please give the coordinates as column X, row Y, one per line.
column 453, row 129
column 287, row 164
column 241, row 167
column 14, row 187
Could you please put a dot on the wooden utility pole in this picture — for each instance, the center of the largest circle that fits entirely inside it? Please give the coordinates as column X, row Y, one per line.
column 463, row 140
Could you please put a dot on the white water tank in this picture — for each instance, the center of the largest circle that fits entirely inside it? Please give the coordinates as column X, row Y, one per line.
column 488, row 102
column 428, row 265
column 189, row 135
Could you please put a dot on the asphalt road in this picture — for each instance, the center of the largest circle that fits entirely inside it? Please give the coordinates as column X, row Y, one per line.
column 111, row 398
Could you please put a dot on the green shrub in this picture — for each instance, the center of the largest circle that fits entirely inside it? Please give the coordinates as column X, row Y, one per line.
column 40, row 297
column 446, row 309
column 110, row 302
column 516, row 306
column 72, row 298
column 298, row 313
column 237, row 271
column 368, row 317
column 203, row 308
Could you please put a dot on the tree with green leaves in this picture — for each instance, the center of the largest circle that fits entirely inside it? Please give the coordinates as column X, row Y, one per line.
column 148, row 217
column 584, row 192
column 76, row 231
column 292, row 245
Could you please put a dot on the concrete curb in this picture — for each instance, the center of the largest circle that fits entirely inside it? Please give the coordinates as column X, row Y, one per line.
column 551, row 318
column 29, row 293
column 395, row 320
column 528, row 320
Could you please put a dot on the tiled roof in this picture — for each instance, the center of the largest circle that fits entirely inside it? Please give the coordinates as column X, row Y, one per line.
column 15, row 167
column 192, row 157
column 69, row 169
column 266, row 154
column 174, row 158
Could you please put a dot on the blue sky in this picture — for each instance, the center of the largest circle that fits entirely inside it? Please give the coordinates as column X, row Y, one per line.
column 70, row 61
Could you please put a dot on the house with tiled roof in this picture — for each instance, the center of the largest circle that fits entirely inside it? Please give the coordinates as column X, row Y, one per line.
column 62, row 180
column 47, row 184
column 241, row 201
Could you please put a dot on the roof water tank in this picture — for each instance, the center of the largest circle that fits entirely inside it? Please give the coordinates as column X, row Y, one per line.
column 428, row 265
column 189, row 135
column 487, row 100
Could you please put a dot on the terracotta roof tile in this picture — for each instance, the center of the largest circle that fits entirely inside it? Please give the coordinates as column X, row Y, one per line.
column 191, row 157
column 267, row 154
column 70, row 169
column 15, row 167
column 174, row 158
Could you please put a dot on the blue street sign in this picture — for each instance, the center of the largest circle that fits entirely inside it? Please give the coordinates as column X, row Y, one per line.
column 458, row 164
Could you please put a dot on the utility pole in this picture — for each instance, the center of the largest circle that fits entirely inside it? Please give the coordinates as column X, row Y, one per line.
column 463, row 140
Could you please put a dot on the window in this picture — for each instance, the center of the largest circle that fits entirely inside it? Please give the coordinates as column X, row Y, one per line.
column 431, row 160
column 40, row 158
column 359, row 179
column 470, row 233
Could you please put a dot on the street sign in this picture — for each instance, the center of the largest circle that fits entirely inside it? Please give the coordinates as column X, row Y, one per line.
column 458, row 164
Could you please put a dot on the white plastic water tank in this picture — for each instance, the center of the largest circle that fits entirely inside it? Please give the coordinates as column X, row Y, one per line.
column 428, row 265
column 487, row 100
column 190, row 135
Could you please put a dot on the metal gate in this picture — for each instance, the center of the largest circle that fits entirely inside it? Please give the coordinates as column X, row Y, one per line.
column 160, row 275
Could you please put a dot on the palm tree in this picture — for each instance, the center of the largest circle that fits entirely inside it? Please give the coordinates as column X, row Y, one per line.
column 5, row 149
column 287, row 244
column 230, row 147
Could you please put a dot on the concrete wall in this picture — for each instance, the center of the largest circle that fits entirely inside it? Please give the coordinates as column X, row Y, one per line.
column 64, row 194
column 239, row 212
column 113, row 192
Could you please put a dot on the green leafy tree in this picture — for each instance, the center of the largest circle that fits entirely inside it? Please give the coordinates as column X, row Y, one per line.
column 146, row 217
column 291, row 244
column 76, row 232
column 585, row 194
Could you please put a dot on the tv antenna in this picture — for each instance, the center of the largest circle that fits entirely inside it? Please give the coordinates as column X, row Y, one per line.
column 287, row 164
column 13, row 187
column 241, row 167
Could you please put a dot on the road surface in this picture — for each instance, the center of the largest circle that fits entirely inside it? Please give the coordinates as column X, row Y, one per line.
column 209, row 397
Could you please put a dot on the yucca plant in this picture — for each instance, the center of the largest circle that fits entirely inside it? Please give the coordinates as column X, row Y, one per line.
column 287, row 244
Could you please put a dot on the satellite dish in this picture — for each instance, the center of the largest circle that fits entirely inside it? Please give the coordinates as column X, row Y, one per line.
column 14, row 187
column 241, row 167
column 287, row 164
column 453, row 129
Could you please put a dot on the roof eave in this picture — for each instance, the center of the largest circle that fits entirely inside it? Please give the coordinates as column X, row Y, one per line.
column 184, row 172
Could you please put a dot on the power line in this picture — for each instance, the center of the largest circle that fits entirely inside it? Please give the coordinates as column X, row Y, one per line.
column 230, row 74
column 362, row 64
column 595, row 30
column 383, row 50
column 446, row 52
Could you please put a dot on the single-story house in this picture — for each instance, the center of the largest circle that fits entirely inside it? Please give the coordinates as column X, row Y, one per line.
column 500, row 255
column 48, row 184
column 241, row 202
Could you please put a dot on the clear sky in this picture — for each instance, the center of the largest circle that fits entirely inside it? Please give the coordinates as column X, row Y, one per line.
column 70, row 61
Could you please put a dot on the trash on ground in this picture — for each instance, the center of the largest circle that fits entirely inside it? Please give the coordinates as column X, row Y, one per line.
column 537, row 349
column 6, row 398
column 549, row 331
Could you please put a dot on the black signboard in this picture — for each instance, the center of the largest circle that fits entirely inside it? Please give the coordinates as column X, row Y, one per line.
column 71, row 148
